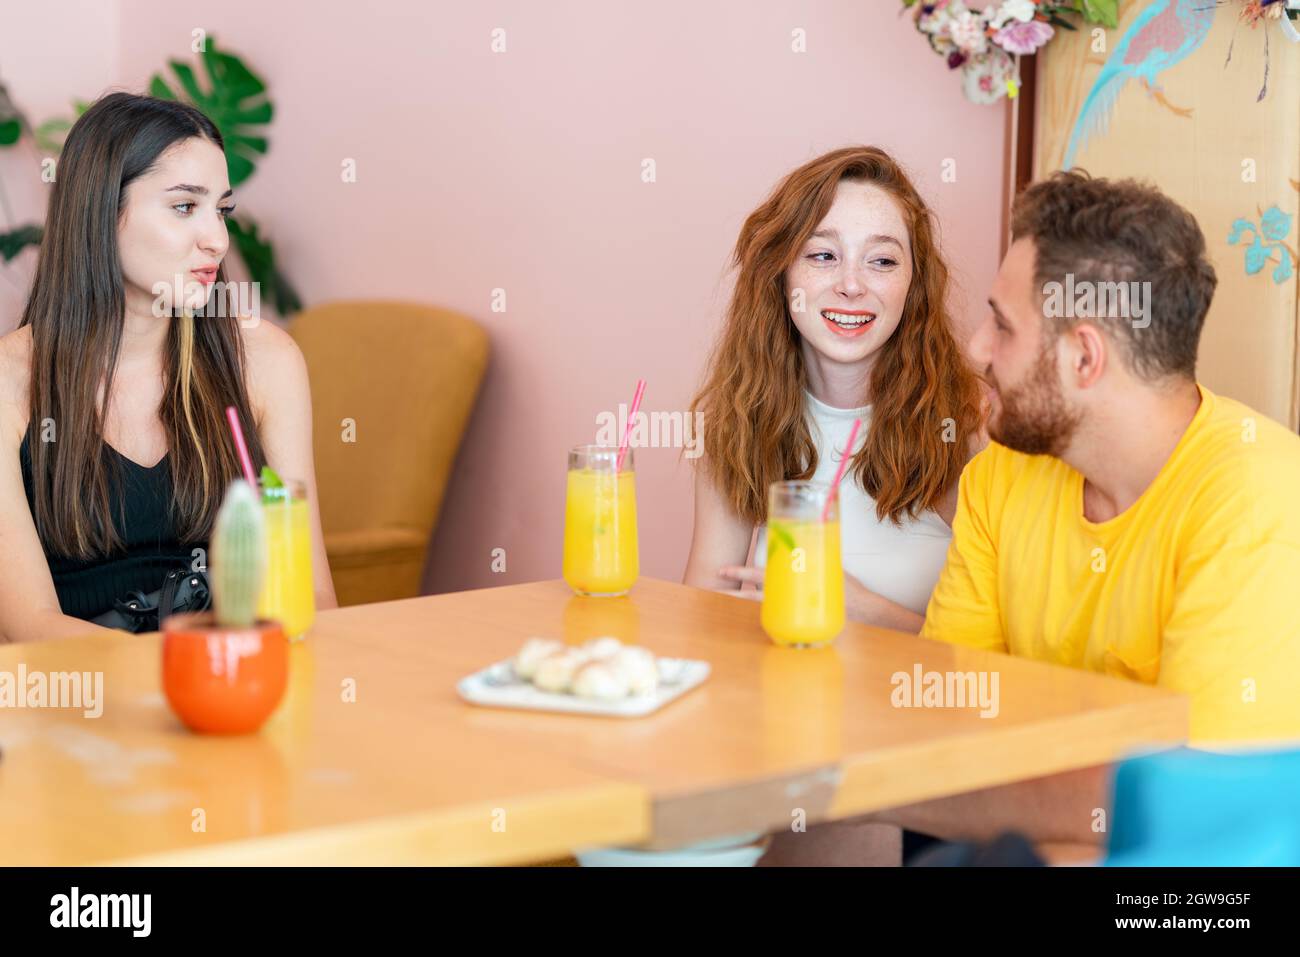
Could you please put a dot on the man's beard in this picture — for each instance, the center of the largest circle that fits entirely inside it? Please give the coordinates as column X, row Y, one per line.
column 1034, row 418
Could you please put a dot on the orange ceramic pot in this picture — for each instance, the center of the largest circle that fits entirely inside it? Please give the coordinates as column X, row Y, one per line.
column 223, row 680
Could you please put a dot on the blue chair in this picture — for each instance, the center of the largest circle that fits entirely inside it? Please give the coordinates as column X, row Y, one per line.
column 1185, row 808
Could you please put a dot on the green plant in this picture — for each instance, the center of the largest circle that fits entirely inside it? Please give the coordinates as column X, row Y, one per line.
column 12, row 125
column 49, row 136
column 238, row 559
column 14, row 241
column 12, row 122
column 49, row 139
column 236, row 102
column 259, row 257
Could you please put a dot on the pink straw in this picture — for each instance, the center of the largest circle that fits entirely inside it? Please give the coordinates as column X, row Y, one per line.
column 839, row 472
column 627, row 434
column 240, row 446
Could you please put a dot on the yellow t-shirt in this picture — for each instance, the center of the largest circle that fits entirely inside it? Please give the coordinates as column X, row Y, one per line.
column 1195, row 587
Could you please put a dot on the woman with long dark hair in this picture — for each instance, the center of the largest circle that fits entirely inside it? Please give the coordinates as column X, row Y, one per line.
column 114, row 446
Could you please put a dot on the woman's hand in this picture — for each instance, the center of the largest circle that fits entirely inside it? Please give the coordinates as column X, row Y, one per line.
column 860, row 602
column 745, row 574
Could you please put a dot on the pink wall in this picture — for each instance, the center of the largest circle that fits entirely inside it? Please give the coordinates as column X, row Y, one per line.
column 522, row 171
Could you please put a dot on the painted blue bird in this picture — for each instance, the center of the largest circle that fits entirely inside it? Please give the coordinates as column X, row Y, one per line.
column 1163, row 34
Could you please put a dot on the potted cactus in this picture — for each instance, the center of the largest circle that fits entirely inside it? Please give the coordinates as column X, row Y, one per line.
column 225, row 671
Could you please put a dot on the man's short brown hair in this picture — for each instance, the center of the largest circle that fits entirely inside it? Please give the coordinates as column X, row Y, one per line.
column 1123, row 231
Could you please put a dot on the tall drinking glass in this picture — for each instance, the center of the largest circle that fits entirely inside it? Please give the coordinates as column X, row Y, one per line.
column 803, row 584
column 287, row 592
column 600, row 548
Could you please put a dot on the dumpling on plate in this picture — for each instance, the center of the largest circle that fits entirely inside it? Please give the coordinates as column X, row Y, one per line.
column 638, row 667
column 555, row 671
column 604, row 647
column 531, row 654
column 596, row 679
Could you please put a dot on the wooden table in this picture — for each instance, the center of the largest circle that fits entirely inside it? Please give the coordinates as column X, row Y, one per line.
column 408, row 773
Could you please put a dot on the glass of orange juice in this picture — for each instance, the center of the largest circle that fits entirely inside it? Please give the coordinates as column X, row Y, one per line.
column 803, row 584
column 287, row 592
column 600, row 549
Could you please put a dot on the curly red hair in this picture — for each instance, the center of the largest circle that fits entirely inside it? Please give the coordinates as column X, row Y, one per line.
column 926, row 399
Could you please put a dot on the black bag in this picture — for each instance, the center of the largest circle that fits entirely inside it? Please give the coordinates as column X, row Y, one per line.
column 181, row 591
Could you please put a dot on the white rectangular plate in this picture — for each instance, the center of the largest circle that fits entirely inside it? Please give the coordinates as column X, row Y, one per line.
column 497, row 686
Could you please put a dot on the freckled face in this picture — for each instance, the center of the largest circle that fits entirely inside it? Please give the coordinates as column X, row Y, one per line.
column 848, row 284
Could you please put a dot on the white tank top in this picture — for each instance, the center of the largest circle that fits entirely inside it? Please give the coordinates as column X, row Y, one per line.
column 902, row 563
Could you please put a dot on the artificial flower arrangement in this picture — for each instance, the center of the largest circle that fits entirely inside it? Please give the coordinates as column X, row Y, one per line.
column 1255, row 11
column 1284, row 11
column 982, row 42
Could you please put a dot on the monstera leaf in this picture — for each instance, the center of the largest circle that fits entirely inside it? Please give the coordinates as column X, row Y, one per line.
column 259, row 257
column 12, row 121
column 235, row 101
column 16, row 240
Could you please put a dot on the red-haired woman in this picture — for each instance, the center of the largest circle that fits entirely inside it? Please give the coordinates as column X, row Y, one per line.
column 839, row 312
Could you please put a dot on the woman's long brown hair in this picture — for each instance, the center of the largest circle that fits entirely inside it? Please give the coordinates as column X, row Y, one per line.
column 76, row 311
column 925, row 398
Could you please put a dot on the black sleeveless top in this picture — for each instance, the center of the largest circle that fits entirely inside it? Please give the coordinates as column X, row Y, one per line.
column 144, row 523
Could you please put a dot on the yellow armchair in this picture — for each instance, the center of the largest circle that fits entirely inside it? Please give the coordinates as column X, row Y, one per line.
column 392, row 388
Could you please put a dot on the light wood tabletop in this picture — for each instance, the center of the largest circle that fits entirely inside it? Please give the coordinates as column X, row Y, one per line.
column 391, row 777
column 409, row 773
